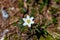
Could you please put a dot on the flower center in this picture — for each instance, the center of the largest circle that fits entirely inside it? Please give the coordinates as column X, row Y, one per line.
column 28, row 21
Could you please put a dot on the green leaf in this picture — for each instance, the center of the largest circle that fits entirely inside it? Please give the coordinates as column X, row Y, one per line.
column 23, row 10
column 21, row 21
column 38, row 30
column 19, row 26
column 20, row 4
column 31, row 30
column 54, row 20
column 14, row 24
column 45, row 2
column 33, row 11
column 41, row 8
column 24, row 29
column 46, row 25
column 29, row 1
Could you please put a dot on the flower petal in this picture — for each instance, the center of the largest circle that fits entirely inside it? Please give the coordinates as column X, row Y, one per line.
column 24, row 19
column 24, row 24
column 32, row 18
column 29, row 25
column 28, row 17
column 28, row 21
column 32, row 22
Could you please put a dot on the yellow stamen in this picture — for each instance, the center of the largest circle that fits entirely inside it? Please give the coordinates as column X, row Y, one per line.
column 28, row 21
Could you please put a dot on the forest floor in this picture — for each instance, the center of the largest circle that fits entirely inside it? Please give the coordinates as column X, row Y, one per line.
column 44, row 12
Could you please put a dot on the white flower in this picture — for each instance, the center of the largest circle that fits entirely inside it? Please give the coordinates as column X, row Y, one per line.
column 4, row 14
column 28, row 21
